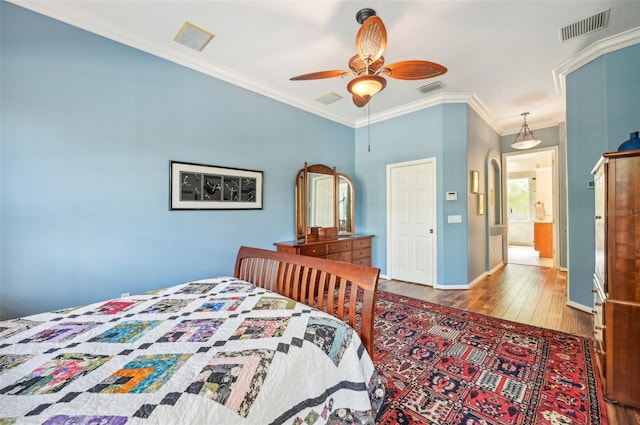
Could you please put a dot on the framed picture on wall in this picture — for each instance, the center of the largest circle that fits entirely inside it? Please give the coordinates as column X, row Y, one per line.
column 208, row 187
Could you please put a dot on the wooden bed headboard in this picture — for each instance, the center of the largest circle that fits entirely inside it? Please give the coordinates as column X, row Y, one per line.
column 327, row 285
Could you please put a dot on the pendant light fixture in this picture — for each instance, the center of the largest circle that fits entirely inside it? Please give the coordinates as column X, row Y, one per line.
column 525, row 139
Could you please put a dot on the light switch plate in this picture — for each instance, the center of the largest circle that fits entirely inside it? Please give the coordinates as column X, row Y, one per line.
column 454, row 219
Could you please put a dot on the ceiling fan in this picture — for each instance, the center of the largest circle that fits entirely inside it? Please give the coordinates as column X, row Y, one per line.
column 368, row 65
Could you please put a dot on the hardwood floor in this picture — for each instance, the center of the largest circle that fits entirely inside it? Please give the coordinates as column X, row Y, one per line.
column 527, row 294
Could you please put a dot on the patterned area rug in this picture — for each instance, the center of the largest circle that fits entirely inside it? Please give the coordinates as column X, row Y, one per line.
column 442, row 365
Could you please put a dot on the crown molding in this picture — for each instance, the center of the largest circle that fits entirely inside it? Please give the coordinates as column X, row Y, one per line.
column 179, row 55
column 510, row 131
column 599, row 48
column 453, row 97
column 414, row 106
column 476, row 104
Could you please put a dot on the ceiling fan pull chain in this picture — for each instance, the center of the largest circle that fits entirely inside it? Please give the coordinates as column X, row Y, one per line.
column 368, row 127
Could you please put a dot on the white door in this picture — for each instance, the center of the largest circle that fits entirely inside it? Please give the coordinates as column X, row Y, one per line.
column 411, row 245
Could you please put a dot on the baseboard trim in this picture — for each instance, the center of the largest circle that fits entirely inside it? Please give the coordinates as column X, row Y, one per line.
column 496, row 268
column 580, row 307
column 451, row 287
column 459, row 287
column 477, row 279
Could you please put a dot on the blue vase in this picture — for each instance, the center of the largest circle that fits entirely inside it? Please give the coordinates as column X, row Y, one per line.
column 632, row 143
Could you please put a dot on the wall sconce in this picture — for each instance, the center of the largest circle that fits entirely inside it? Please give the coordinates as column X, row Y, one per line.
column 475, row 177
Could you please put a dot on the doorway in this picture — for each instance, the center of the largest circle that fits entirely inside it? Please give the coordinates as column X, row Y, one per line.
column 532, row 207
column 411, row 221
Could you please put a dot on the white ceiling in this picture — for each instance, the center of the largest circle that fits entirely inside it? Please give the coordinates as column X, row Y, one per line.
column 503, row 57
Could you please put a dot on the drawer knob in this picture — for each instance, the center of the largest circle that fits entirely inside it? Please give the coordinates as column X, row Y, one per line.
column 598, row 304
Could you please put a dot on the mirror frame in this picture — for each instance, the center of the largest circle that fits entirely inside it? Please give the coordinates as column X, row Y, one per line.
column 302, row 198
column 352, row 212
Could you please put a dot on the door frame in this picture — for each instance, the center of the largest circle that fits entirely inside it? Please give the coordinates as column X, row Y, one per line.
column 434, row 201
column 556, row 199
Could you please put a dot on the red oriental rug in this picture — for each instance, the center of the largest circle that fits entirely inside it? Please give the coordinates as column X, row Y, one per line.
column 442, row 365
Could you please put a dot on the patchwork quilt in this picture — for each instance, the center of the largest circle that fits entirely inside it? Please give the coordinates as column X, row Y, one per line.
column 214, row 351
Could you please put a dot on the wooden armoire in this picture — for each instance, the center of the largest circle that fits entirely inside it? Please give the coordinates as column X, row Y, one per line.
column 617, row 275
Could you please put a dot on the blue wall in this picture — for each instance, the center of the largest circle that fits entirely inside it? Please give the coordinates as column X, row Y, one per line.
column 454, row 172
column 602, row 109
column 409, row 137
column 441, row 132
column 88, row 128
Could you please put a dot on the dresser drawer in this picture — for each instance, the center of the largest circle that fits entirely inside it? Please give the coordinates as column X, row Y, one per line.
column 361, row 243
column 354, row 249
column 341, row 246
column 341, row 256
column 319, row 250
column 361, row 253
column 362, row 261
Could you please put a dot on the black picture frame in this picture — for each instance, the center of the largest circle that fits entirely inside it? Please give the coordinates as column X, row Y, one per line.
column 195, row 186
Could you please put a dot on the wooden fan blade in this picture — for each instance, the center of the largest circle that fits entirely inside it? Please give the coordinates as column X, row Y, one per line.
column 371, row 39
column 360, row 101
column 320, row 75
column 413, row 70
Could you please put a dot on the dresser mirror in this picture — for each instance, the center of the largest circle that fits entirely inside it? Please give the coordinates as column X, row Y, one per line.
column 324, row 198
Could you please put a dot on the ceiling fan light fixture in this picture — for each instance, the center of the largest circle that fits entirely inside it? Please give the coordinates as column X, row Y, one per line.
column 366, row 85
column 525, row 138
column 368, row 64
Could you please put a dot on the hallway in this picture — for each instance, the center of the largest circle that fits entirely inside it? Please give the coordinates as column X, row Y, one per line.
column 526, row 255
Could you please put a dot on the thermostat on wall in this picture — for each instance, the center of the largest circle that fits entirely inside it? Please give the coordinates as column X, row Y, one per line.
column 452, row 196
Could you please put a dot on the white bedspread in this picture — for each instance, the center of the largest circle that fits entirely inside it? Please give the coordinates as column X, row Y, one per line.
column 215, row 351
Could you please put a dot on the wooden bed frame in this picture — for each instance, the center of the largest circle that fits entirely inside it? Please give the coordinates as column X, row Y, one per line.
column 327, row 285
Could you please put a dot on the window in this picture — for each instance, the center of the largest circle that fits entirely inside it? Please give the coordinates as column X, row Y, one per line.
column 518, row 198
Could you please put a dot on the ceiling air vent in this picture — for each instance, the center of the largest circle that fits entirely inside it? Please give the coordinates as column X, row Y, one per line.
column 430, row 87
column 329, row 98
column 585, row 26
column 193, row 36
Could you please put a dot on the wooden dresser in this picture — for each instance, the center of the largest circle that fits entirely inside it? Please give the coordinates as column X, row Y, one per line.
column 616, row 315
column 354, row 249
